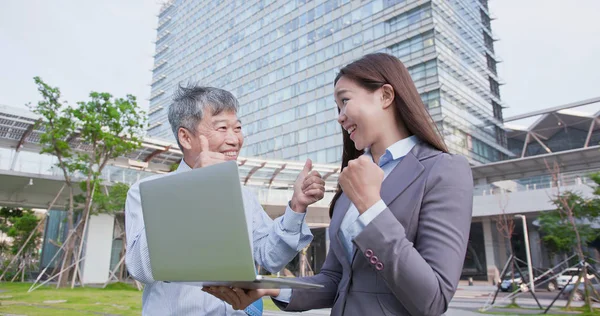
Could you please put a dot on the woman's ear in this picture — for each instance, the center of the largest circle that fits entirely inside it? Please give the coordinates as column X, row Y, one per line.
column 185, row 138
column 387, row 94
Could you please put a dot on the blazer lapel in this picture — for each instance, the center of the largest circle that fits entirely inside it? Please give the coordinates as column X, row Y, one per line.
column 403, row 175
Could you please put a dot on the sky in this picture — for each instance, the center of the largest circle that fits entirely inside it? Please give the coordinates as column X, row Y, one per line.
column 548, row 49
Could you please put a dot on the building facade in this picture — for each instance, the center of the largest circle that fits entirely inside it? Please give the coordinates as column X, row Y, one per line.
column 280, row 59
column 568, row 135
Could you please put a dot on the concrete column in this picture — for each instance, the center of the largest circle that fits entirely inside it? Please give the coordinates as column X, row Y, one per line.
column 98, row 249
column 490, row 258
column 535, row 244
column 501, row 249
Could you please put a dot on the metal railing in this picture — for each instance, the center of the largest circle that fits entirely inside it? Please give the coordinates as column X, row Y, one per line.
column 544, row 183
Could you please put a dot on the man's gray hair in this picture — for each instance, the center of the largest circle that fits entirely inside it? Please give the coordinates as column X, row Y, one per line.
column 189, row 104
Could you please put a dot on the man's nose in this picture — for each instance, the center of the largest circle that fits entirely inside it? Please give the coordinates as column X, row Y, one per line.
column 231, row 138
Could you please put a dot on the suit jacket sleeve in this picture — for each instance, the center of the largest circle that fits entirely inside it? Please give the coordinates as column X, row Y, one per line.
column 424, row 276
column 329, row 276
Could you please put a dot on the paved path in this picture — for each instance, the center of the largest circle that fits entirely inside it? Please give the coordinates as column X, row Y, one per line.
column 451, row 312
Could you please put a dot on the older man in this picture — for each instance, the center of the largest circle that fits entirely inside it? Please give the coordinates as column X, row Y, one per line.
column 208, row 131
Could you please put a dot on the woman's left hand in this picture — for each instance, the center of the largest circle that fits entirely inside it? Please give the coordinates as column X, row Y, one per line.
column 361, row 181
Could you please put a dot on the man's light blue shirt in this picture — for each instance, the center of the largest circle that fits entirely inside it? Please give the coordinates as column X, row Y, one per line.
column 354, row 223
column 274, row 242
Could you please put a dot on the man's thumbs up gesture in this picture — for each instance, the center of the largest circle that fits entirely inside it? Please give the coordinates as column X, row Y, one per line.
column 308, row 188
column 207, row 157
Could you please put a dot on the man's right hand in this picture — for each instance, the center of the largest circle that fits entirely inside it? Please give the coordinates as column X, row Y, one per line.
column 207, row 157
column 308, row 188
column 238, row 298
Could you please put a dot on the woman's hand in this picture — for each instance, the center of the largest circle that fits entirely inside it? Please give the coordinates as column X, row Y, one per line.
column 239, row 299
column 361, row 181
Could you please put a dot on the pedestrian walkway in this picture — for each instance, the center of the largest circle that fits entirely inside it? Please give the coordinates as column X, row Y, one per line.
column 460, row 312
column 325, row 312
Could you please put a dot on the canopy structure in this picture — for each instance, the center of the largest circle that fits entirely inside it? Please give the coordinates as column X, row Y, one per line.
column 18, row 132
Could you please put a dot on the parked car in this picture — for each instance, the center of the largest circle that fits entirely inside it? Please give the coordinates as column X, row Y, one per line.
column 570, row 274
column 579, row 293
column 541, row 280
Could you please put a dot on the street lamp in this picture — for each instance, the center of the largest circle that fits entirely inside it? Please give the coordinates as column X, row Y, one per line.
column 528, row 250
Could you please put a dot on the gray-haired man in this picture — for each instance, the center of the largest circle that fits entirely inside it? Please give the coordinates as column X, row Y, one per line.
column 208, row 131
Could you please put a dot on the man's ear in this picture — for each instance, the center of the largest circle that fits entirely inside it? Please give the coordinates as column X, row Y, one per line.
column 185, row 138
column 387, row 95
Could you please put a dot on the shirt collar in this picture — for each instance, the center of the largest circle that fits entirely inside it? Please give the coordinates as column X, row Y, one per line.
column 183, row 166
column 397, row 150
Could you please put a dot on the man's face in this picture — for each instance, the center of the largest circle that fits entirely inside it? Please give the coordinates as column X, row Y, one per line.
column 224, row 134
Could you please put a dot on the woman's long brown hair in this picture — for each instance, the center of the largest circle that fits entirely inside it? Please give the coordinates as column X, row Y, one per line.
column 371, row 72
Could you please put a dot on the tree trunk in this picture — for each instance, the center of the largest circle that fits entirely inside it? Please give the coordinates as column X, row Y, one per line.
column 63, row 279
column 81, row 232
column 513, row 300
column 586, row 282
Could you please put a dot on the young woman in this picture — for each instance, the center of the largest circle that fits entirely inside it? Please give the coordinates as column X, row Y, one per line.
column 401, row 217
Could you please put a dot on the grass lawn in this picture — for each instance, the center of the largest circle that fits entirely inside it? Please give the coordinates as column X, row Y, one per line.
column 120, row 299
column 116, row 299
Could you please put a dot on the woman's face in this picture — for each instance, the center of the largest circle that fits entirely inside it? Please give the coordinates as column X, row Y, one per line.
column 361, row 112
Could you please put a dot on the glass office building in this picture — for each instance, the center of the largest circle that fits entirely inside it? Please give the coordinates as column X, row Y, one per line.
column 280, row 58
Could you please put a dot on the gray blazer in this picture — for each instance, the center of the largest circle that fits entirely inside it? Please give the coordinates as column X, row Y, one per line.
column 409, row 259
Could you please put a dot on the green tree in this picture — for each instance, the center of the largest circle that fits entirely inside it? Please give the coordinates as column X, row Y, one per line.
column 571, row 226
column 84, row 138
column 6, row 217
column 20, row 225
column 559, row 237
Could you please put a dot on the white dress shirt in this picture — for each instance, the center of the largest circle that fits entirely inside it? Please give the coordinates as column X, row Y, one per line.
column 353, row 222
column 275, row 243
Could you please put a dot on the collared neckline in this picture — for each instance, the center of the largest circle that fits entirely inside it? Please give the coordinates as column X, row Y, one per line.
column 396, row 151
column 183, row 166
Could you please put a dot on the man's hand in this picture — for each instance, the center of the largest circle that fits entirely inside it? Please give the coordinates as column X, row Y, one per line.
column 361, row 181
column 239, row 299
column 207, row 157
column 308, row 188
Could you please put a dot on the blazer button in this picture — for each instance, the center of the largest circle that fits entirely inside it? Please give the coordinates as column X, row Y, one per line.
column 379, row 266
column 369, row 253
column 374, row 260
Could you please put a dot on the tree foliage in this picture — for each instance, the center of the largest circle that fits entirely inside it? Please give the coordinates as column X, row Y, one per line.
column 559, row 236
column 571, row 226
column 18, row 224
column 84, row 138
column 110, row 199
column 22, row 227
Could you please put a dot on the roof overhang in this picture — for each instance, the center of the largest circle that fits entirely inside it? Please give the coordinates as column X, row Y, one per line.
column 580, row 159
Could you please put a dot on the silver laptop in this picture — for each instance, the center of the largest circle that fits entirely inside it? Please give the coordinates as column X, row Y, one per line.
column 198, row 233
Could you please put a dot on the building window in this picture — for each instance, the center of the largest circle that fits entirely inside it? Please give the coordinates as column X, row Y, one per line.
column 423, row 70
column 501, row 136
column 484, row 3
column 407, row 19
column 389, row 3
column 431, row 99
column 412, row 45
column 489, row 42
column 497, row 111
column 494, row 87
column 485, row 19
column 491, row 63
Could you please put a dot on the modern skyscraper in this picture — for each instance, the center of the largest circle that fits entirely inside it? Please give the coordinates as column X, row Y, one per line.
column 280, row 58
